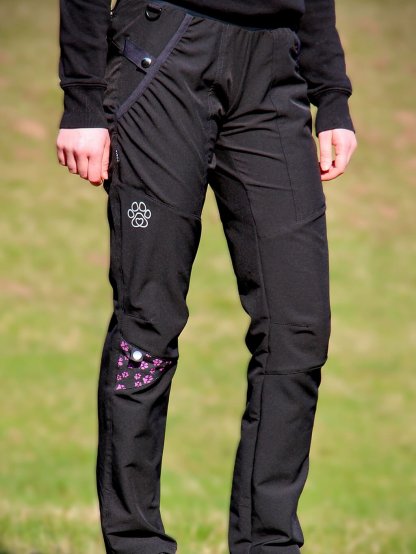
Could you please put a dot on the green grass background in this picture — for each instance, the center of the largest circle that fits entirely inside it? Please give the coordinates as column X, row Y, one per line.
column 55, row 304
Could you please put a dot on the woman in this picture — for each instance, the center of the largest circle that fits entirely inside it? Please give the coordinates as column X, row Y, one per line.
column 162, row 98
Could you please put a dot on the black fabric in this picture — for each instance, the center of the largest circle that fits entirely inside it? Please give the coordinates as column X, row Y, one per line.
column 84, row 26
column 228, row 107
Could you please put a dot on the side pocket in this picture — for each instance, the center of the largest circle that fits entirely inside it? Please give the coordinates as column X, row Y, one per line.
column 143, row 38
column 137, row 368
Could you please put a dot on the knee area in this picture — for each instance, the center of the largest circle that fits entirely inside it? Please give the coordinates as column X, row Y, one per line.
column 296, row 348
column 136, row 367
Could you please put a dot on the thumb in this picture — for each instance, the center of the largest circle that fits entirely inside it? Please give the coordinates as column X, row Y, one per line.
column 325, row 148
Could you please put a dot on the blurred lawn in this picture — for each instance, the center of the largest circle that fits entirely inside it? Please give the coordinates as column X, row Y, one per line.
column 55, row 298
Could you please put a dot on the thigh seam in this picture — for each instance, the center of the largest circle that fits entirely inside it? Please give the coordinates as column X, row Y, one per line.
column 268, row 338
column 280, row 135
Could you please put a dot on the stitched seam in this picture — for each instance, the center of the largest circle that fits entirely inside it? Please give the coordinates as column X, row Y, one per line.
column 221, row 57
column 302, row 325
column 156, row 200
column 345, row 91
column 119, row 244
column 145, row 350
column 268, row 338
column 256, row 444
column 210, row 111
column 163, row 56
column 280, row 136
column 284, row 228
column 136, row 318
column 208, row 127
column 81, row 84
column 108, row 456
column 293, row 372
column 170, row 206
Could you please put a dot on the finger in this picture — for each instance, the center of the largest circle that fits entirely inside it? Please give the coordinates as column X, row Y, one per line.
column 60, row 152
column 352, row 147
column 345, row 144
column 341, row 157
column 82, row 165
column 94, row 168
column 325, row 149
column 333, row 173
column 71, row 162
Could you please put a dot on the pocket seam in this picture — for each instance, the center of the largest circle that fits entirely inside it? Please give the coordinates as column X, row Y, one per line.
column 171, row 207
column 159, row 61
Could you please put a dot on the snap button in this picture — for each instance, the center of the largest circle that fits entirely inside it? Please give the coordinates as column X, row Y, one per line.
column 146, row 61
column 153, row 12
column 137, row 355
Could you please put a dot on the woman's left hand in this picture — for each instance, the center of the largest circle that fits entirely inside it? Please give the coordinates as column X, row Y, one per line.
column 344, row 142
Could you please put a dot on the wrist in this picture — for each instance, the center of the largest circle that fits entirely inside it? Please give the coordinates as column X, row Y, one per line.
column 83, row 108
column 333, row 112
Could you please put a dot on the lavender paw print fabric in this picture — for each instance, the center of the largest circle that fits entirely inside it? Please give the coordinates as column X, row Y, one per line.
column 137, row 368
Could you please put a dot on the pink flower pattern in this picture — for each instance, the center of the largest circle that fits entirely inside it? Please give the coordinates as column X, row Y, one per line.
column 145, row 371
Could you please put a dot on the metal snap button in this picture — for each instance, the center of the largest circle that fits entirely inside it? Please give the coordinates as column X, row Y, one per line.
column 137, row 355
column 146, row 62
column 153, row 12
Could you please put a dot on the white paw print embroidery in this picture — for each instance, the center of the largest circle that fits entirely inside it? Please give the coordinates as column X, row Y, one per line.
column 139, row 214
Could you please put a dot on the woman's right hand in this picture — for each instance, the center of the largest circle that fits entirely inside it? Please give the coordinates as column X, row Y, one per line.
column 85, row 152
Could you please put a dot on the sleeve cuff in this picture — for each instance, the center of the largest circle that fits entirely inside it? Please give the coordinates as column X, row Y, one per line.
column 333, row 112
column 83, row 107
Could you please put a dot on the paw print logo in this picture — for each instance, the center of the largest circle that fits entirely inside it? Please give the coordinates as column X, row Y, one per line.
column 139, row 214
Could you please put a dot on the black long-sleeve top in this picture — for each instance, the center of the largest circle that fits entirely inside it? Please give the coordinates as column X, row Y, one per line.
column 83, row 53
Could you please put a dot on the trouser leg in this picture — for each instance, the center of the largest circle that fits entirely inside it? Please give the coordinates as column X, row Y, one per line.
column 131, row 434
column 271, row 201
column 156, row 191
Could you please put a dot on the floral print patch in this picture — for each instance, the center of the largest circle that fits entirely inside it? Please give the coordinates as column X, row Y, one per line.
column 138, row 368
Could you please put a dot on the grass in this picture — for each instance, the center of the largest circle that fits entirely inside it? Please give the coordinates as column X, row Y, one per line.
column 359, row 497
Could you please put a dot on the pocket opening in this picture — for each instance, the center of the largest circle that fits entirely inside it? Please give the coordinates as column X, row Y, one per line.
column 154, row 62
column 137, row 368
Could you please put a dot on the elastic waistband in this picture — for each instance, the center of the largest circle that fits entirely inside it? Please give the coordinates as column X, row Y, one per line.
column 284, row 19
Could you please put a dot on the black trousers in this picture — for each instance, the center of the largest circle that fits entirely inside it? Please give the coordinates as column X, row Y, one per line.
column 195, row 100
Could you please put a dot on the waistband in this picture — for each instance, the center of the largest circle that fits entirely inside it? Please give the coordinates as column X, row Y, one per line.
column 285, row 19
